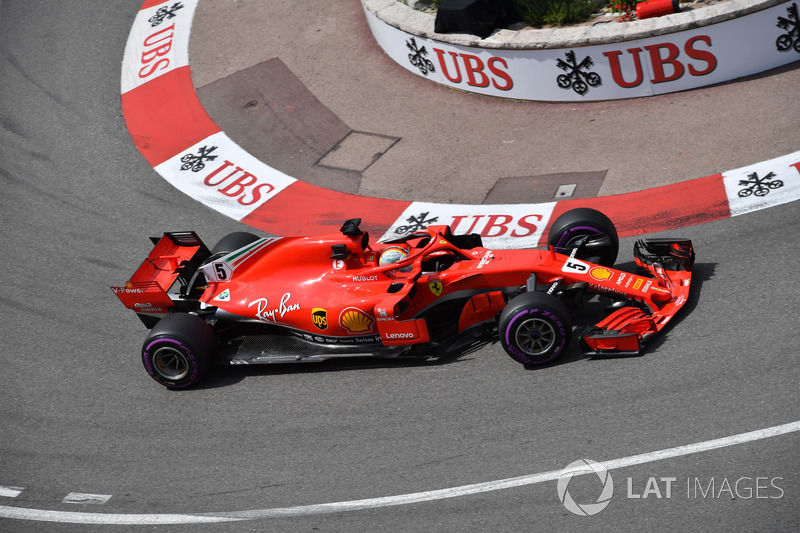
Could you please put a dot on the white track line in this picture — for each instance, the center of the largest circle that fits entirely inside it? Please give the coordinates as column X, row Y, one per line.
column 68, row 517
column 10, row 492
column 86, row 499
column 374, row 503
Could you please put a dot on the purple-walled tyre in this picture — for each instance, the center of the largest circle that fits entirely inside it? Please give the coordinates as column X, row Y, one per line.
column 534, row 328
column 179, row 350
column 574, row 224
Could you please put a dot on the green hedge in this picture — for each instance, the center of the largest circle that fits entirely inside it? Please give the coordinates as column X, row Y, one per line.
column 556, row 12
column 561, row 12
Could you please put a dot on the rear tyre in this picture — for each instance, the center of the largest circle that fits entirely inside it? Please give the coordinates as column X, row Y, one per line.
column 179, row 350
column 535, row 328
column 577, row 223
column 233, row 241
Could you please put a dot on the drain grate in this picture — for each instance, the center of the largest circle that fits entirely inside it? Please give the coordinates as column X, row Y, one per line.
column 545, row 188
column 357, row 151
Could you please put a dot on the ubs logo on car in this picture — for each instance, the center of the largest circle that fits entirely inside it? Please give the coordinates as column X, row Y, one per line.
column 319, row 317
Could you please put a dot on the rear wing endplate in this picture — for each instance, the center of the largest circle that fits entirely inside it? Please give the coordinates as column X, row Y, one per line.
column 175, row 257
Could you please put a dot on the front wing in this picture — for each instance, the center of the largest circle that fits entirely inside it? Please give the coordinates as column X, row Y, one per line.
column 623, row 332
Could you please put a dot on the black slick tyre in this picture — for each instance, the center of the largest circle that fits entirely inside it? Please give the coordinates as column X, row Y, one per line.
column 574, row 224
column 234, row 241
column 179, row 350
column 534, row 328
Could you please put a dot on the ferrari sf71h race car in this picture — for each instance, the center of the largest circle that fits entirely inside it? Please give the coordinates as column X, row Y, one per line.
column 431, row 293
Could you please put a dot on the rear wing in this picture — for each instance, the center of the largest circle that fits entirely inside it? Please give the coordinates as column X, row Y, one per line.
column 175, row 257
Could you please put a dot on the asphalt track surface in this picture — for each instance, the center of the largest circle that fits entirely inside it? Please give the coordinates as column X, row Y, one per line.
column 80, row 416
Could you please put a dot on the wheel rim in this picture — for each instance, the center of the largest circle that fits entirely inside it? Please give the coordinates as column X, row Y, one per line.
column 170, row 363
column 573, row 241
column 535, row 336
column 569, row 238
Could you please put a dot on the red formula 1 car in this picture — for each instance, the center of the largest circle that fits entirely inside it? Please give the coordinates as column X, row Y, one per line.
column 431, row 293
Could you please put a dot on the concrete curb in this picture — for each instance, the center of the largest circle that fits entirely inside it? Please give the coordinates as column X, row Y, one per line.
column 614, row 61
column 409, row 20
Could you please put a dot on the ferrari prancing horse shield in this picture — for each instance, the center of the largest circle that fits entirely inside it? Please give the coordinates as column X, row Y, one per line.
column 435, row 287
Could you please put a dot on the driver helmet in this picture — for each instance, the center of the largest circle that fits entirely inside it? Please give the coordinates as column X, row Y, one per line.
column 393, row 254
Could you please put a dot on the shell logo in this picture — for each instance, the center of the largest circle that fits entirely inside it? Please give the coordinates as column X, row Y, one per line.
column 600, row 273
column 356, row 321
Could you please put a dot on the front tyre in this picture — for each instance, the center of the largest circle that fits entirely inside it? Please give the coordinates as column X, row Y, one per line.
column 534, row 328
column 572, row 226
column 179, row 350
